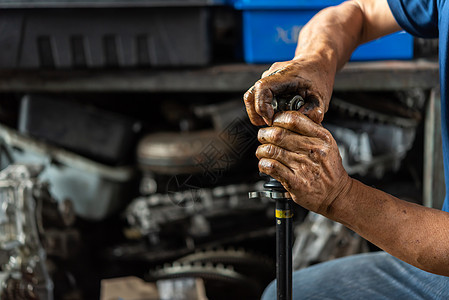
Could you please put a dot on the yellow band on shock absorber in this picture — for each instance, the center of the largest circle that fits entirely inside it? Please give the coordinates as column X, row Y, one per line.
column 284, row 214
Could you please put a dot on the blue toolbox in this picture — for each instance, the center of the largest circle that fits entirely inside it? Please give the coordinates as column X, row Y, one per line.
column 271, row 28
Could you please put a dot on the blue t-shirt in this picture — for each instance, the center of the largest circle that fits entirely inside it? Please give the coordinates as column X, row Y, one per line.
column 430, row 19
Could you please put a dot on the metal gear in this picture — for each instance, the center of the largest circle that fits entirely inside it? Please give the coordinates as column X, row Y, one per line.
column 235, row 257
column 208, row 272
column 364, row 113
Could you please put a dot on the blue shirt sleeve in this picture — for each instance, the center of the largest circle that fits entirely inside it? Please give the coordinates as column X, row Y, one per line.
column 418, row 17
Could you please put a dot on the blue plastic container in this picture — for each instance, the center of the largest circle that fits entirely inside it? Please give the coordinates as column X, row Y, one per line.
column 271, row 28
column 282, row 4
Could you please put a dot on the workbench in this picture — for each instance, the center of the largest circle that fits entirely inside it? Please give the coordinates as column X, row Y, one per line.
column 237, row 78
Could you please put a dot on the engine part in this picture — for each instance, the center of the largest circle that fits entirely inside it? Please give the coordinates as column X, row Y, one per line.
column 222, row 114
column 148, row 184
column 246, row 272
column 256, row 266
column 147, row 215
column 96, row 190
column 181, row 289
column 414, row 98
column 319, row 239
column 25, row 275
column 371, row 147
column 380, row 130
column 182, row 153
column 152, row 253
column 228, row 256
column 212, row 274
column 37, row 236
column 364, row 113
column 164, row 227
column 206, row 151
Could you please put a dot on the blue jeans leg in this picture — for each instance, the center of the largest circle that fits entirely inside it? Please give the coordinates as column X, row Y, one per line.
column 376, row 275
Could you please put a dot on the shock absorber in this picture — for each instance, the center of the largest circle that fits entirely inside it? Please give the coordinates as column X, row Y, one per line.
column 284, row 236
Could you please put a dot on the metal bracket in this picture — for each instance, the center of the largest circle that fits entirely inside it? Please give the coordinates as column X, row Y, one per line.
column 270, row 194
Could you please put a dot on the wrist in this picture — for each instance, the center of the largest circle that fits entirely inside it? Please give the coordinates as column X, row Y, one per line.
column 338, row 206
column 325, row 57
column 323, row 63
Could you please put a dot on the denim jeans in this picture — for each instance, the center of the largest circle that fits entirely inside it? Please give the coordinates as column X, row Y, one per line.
column 376, row 275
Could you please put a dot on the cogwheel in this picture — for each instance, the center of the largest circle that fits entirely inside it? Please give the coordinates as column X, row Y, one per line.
column 363, row 113
column 231, row 256
column 208, row 272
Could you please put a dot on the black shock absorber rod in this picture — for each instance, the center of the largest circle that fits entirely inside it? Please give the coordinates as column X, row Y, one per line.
column 283, row 241
column 284, row 232
column 284, row 235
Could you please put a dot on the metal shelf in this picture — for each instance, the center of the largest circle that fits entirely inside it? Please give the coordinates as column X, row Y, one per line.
column 383, row 75
column 104, row 3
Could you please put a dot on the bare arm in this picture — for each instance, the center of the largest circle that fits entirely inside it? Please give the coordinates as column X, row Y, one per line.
column 415, row 234
column 337, row 31
column 324, row 45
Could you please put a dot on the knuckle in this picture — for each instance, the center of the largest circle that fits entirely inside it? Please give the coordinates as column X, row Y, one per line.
column 326, row 136
column 274, row 66
column 260, row 84
column 313, row 154
column 273, row 151
column 304, row 168
column 288, row 118
column 248, row 95
column 316, row 173
column 260, row 109
column 318, row 153
column 277, row 135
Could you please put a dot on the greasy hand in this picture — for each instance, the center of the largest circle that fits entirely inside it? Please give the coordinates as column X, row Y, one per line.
column 304, row 157
column 310, row 77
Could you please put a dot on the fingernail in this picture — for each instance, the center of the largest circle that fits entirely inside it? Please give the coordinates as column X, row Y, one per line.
column 268, row 121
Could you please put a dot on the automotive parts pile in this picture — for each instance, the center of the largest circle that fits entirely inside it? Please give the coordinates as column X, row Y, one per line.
column 191, row 216
column 374, row 134
column 33, row 226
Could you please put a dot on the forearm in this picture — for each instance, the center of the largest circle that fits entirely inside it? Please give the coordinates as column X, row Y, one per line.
column 418, row 235
column 335, row 32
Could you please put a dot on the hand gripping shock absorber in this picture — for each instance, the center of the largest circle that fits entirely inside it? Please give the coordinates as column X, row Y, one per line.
column 275, row 191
